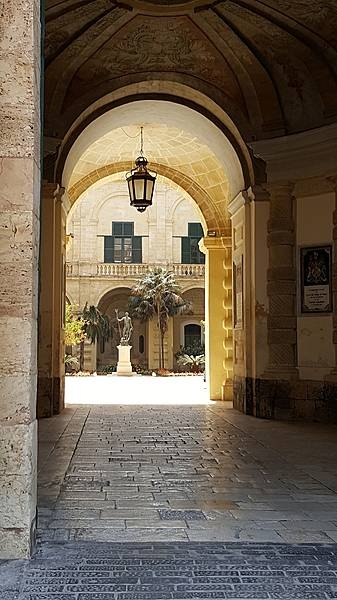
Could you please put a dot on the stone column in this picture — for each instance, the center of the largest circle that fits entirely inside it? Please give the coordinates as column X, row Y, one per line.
column 46, row 303
column 281, row 287
column 218, row 316
column 259, row 215
column 51, row 302
column 19, row 222
column 59, row 302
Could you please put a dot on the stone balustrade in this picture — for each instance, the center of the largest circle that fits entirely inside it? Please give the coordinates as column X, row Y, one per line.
column 133, row 270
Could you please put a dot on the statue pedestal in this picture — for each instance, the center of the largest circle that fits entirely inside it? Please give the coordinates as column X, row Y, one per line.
column 124, row 366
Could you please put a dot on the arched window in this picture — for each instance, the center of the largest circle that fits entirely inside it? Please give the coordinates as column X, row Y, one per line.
column 141, row 345
column 192, row 335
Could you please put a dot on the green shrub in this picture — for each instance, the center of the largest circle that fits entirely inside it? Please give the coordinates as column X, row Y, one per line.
column 195, row 364
column 108, row 369
column 193, row 350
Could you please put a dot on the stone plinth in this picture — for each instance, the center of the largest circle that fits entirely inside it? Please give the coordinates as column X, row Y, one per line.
column 124, row 366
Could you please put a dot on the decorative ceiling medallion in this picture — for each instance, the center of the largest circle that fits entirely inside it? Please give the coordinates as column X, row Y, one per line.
column 169, row 2
column 169, row 6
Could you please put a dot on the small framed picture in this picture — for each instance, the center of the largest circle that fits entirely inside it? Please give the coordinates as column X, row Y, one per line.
column 316, row 288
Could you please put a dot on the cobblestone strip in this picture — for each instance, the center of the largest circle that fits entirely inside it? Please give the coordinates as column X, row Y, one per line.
column 173, row 571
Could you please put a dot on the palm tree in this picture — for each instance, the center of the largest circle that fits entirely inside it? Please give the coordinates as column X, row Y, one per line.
column 97, row 327
column 157, row 295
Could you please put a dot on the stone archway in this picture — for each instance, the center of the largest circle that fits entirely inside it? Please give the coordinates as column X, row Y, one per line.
column 112, row 300
column 186, row 169
column 196, row 296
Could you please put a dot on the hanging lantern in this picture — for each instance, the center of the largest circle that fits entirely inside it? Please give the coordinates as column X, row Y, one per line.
column 141, row 182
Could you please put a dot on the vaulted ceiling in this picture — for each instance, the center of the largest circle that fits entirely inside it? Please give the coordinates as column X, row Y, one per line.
column 270, row 64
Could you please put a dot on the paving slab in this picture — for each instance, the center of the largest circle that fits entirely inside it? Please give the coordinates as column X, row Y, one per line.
column 183, row 472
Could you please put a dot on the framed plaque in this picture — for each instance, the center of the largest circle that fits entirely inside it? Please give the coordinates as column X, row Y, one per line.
column 316, row 289
column 238, row 293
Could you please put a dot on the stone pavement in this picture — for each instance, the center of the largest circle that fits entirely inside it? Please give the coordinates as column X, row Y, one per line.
column 179, row 501
column 184, row 473
column 177, row 571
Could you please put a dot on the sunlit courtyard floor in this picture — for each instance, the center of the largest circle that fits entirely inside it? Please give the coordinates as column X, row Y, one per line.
column 136, row 389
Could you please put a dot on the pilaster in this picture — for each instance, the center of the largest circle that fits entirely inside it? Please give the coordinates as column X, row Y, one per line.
column 218, row 313
column 333, row 375
column 59, row 300
column 281, row 288
column 249, row 215
column 51, row 302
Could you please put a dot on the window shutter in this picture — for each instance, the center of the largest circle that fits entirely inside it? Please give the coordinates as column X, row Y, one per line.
column 108, row 249
column 137, row 249
column 201, row 258
column 185, row 250
column 117, row 228
column 127, row 229
column 195, row 230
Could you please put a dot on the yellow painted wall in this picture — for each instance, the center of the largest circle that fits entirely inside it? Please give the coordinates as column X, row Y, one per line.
column 314, row 332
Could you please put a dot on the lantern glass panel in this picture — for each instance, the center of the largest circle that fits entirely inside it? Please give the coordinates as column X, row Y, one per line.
column 149, row 189
column 131, row 190
column 139, row 188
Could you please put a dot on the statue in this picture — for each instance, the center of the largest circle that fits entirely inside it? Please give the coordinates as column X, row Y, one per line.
column 125, row 334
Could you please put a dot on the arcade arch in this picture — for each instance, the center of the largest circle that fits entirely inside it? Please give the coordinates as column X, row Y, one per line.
column 189, row 151
column 238, row 66
column 117, row 300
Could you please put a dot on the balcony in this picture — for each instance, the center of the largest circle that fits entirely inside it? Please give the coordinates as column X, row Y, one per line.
column 131, row 271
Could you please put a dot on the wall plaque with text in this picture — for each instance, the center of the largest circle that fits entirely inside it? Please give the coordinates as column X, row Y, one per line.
column 316, row 293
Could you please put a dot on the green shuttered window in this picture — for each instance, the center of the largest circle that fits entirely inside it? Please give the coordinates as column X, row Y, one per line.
column 122, row 246
column 190, row 253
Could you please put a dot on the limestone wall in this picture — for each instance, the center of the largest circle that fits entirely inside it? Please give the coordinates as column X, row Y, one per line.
column 19, row 223
column 314, row 339
column 289, row 368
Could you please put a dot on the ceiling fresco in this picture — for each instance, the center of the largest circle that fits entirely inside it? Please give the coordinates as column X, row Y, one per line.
column 270, row 64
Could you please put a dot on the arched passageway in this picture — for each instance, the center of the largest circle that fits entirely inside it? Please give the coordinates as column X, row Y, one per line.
column 206, row 167
column 111, row 246
column 239, row 72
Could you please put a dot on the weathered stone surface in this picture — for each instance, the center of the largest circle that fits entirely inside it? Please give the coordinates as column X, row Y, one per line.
column 19, row 345
column 19, row 237
column 282, row 399
column 18, row 400
column 19, row 185
column 16, row 541
column 18, row 448
column 18, row 291
column 18, row 494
